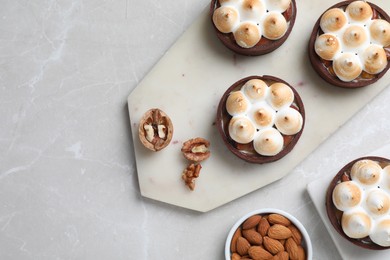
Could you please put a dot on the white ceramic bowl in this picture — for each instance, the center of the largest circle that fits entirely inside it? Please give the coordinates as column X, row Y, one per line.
column 306, row 243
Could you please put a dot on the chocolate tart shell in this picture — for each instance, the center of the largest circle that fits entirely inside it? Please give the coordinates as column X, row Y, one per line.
column 335, row 215
column 265, row 45
column 246, row 152
column 322, row 70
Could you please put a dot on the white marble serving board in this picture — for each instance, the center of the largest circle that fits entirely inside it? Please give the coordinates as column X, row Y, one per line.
column 187, row 84
column 317, row 191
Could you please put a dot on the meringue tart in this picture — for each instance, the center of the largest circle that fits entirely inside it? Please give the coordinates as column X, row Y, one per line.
column 253, row 27
column 260, row 118
column 350, row 44
column 358, row 202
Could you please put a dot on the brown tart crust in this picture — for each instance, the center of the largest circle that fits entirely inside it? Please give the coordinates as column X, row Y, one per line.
column 246, row 151
column 265, row 45
column 324, row 68
column 335, row 215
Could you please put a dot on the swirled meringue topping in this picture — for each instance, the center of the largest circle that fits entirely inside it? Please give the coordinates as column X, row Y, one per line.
column 356, row 224
column 366, row 172
column 346, row 195
column 359, row 11
column 255, row 89
column 241, row 129
column 237, row 103
column 288, row 121
column 327, row 46
column 268, row 142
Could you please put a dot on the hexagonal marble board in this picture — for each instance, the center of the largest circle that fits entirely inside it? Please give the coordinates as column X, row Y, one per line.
column 187, row 84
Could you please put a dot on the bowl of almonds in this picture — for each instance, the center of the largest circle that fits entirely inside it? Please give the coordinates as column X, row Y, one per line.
column 268, row 234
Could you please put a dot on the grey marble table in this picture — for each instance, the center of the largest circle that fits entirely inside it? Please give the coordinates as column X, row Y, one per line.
column 68, row 184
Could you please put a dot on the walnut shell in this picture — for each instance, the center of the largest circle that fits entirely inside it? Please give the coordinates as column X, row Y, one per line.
column 155, row 129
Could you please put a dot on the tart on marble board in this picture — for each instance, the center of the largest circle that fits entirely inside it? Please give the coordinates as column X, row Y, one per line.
column 260, row 118
column 350, row 44
column 358, row 202
column 253, row 27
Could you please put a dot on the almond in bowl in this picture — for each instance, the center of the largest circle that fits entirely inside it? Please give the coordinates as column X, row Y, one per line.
column 350, row 44
column 268, row 234
column 260, row 118
column 358, row 202
column 253, row 27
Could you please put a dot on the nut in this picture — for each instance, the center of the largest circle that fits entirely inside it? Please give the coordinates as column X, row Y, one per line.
column 292, row 249
column 235, row 256
column 267, row 236
column 259, row 253
column 296, row 234
column 282, row 256
column 272, row 245
column 251, row 222
column 190, row 174
column 301, row 253
column 253, row 237
column 196, row 149
column 242, row 246
column 278, row 219
column 155, row 129
column 263, row 227
column 278, row 231
column 233, row 244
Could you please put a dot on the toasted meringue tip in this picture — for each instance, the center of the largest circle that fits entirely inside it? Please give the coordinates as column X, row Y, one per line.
column 366, row 172
column 255, row 89
column 289, row 121
column 347, row 67
column 268, row 142
column 380, row 32
column 226, row 18
column 262, row 115
column 327, row 46
column 354, row 36
column 280, row 95
column 333, row 20
column 247, row 34
column 237, row 103
column 346, row 195
column 374, row 59
column 356, row 224
column 359, row 11
column 378, row 202
column 241, row 129
column 274, row 26
column 381, row 233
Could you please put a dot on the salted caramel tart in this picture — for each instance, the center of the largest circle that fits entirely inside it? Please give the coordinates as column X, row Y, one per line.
column 260, row 118
column 350, row 44
column 358, row 202
column 253, row 27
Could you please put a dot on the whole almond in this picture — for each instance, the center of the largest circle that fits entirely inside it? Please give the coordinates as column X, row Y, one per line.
column 253, row 237
column 278, row 231
column 272, row 245
column 296, row 234
column 263, row 227
column 301, row 253
column 251, row 222
column 242, row 246
column 259, row 253
column 278, row 219
column 235, row 256
column 233, row 243
column 292, row 249
column 281, row 256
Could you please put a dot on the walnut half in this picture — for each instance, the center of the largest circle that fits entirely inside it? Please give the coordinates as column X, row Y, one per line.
column 196, row 150
column 155, row 129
